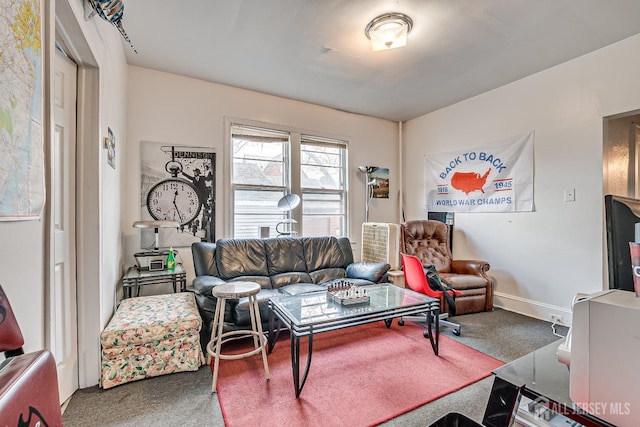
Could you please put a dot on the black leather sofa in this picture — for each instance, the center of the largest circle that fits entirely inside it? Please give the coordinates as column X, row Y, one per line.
column 281, row 266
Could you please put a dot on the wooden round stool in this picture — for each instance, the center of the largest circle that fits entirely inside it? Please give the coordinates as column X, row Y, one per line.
column 222, row 293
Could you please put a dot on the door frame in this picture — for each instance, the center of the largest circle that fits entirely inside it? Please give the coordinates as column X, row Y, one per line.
column 63, row 24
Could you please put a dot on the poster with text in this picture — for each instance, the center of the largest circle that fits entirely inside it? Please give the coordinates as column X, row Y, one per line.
column 178, row 184
column 494, row 177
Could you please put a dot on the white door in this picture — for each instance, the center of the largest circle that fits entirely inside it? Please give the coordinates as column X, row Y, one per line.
column 63, row 326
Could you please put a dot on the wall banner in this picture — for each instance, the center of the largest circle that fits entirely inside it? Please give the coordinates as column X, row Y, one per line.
column 495, row 177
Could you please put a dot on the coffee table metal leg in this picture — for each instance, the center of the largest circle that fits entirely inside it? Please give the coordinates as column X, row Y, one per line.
column 433, row 337
column 272, row 330
column 275, row 324
column 295, row 362
column 437, row 329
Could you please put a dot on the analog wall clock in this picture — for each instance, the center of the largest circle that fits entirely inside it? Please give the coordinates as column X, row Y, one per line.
column 174, row 199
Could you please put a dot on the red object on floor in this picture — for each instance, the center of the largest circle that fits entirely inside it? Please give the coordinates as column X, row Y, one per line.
column 359, row 376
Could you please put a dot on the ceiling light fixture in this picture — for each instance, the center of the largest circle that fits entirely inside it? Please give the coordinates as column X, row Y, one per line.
column 388, row 31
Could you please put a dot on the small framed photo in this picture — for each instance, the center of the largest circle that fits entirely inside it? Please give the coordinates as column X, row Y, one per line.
column 110, row 146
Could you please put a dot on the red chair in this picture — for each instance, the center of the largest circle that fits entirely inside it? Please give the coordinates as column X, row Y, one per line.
column 415, row 278
column 28, row 382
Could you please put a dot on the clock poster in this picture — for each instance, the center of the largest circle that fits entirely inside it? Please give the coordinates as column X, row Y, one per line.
column 178, row 183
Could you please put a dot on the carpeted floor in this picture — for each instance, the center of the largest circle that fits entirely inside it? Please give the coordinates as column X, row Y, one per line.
column 395, row 366
column 185, row 398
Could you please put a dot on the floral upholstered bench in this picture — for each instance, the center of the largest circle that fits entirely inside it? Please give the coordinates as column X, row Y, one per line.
column 150, row 336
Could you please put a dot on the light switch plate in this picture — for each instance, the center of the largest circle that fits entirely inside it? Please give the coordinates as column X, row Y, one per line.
column 570, row 195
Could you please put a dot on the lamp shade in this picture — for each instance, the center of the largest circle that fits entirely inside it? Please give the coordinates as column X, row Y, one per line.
column 289, row 202
column 367, row 169
column 156, row 224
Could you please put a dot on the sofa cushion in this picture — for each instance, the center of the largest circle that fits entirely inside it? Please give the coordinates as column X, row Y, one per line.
column 373, row 271
column 284, row 279
column 284, row 254
column 241, row 257
column 207, row 308
column 302, row 288
column 202, row 285
column 263, row 281
column 323, row 252
column 465, row 281
column 241, row 309
column 204, row 260
column 325, row 274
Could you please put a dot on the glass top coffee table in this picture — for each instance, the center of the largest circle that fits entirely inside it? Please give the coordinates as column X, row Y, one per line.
column 305, row 315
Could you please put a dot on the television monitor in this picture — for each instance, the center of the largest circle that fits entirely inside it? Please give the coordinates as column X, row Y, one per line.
column 447, row 218
column 621, row 216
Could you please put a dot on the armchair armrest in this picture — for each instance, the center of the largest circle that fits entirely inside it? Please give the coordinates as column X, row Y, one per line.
column 476, row 268
column 372, row 271
column 202, row 285
column 470, row 266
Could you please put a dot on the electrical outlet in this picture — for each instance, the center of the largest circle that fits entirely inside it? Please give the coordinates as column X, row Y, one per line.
column 570, row 195
column 555, row 318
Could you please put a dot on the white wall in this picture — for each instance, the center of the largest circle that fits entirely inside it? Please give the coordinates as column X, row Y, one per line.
column 169, row 108
column 543, row 258
column 23, row 267
column 21, row 276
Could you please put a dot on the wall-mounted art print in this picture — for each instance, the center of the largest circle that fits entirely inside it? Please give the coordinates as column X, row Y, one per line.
column 381, row 184
column 178, row 183
column 110, row 146
column 22, row 173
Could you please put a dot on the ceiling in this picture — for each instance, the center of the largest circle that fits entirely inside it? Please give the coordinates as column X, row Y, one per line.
column 316, row 50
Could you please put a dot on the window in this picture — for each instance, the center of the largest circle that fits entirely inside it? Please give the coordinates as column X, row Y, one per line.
column 322, row 181
column 268, row 164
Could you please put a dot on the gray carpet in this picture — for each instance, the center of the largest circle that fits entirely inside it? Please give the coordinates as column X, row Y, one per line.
column 185, row 399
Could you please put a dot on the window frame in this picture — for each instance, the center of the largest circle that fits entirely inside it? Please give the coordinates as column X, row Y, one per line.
column 293, row 156
column 307, row 139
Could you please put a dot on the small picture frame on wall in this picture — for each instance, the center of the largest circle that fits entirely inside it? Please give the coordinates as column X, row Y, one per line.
column 381, row 183
column 110, row 146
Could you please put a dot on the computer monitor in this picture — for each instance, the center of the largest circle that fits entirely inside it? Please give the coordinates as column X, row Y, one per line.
column 621, row 216
column 447, row 218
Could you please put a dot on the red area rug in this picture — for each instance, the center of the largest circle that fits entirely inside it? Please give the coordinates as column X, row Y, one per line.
column 359, row 376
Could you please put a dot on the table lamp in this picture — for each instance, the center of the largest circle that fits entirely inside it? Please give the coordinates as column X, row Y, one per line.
column 150, row 259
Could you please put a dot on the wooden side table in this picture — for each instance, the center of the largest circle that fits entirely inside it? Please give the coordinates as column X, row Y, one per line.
column 136, row 277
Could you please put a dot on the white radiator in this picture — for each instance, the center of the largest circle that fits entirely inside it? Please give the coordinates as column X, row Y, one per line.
column 381, row 243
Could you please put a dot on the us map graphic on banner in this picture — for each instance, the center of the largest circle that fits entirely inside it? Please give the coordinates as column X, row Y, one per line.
column 495, row 177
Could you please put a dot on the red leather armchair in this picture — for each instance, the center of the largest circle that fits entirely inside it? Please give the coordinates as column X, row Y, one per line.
column 28, row 382
column 429, row 241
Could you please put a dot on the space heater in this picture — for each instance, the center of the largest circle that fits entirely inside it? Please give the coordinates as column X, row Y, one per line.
column 381, row 243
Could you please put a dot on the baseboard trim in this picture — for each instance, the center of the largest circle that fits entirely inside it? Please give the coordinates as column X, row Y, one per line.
column 532, row 308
